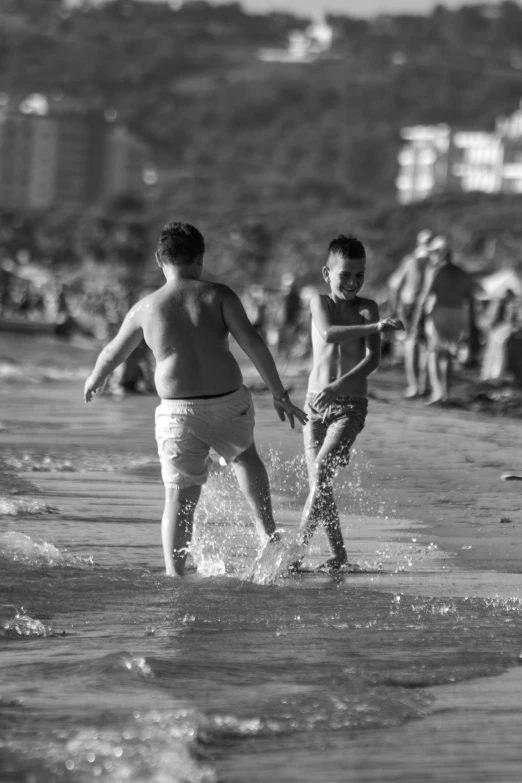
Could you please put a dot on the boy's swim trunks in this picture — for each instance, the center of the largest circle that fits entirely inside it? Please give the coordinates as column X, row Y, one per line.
column 186, row 430
column 336, row 427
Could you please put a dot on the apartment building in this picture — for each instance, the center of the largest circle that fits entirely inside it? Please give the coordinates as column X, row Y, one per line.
column 64, row 156
column 435, row 159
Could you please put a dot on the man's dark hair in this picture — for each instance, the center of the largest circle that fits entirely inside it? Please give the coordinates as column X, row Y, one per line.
column 180, row 243
column 347, row 246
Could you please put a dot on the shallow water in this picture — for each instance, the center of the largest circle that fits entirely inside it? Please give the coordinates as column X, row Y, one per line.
column 111, row 671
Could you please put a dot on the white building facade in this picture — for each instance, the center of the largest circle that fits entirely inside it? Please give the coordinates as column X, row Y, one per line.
column 435, row 159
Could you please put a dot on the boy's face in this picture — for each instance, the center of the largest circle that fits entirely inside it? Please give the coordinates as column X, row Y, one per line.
column 345, row 276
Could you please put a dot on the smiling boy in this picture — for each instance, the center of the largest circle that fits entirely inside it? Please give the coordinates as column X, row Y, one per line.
column 346, row 349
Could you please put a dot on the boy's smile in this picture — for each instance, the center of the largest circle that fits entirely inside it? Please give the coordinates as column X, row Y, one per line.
column 345, row 276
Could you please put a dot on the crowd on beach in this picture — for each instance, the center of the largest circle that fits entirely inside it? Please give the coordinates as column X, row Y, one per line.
column 449, row 315
column 451, row 318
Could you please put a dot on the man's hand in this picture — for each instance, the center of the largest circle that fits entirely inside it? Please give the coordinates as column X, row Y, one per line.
column 91, row 387
column 390, row 324
column 286, row 409
column 327, row 396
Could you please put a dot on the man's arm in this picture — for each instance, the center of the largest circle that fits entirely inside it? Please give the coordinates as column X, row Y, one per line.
column 255, row 348
column 361, row 370
column 332, row 333
column 127, row 339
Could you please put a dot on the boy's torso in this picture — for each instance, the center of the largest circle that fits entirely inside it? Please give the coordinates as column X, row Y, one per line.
column 331, row 360
column 183, row 325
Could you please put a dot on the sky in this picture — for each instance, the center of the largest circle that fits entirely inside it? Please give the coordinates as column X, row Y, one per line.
column 349, row 7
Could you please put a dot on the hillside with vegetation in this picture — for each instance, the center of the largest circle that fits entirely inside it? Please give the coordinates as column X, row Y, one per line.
column 271, row 159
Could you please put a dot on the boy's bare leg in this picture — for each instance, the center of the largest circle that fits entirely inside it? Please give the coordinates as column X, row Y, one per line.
column 255, row 486
column 320, row 505
column 176, row 527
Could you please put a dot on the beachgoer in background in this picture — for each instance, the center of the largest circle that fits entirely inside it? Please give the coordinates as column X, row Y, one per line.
column 502, row 324
column 256, row 308
column 288, row 317
column 406, row 285
column 204, row 404
column 346, row 349
column 447, row 306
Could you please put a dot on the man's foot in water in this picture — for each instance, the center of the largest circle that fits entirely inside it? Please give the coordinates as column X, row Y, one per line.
column 336, row 564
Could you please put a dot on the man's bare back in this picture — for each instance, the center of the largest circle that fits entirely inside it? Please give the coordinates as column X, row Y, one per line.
column 184, row 325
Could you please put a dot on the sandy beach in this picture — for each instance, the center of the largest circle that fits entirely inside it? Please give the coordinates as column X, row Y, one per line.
column 424, row 511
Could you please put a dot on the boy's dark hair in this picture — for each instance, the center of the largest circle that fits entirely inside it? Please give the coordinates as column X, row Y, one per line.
column 180, row 243
column 347, row 246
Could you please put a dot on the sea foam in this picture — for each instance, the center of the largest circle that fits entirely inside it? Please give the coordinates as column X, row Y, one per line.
column 21, row 548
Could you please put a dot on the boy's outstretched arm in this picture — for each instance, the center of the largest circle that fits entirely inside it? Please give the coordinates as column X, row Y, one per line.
column 333, row 333
column 255, row 348
column 361, row 370
column 127, row 339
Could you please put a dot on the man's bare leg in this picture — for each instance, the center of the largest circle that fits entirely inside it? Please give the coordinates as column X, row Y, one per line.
column 437, row 391
column 445, row 375
column 176, row 527
column 422, row 350
column 411, row 366
column 255, row 486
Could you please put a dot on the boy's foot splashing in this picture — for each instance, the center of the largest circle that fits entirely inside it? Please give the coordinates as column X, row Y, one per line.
column 204, row 405
column 346, row 349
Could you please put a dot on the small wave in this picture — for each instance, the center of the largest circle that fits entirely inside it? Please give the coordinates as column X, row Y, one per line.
column 31, row 462
column 27, row 462
column 23, row 624
column 30, row 373
column 19, row 507
column 21, row 548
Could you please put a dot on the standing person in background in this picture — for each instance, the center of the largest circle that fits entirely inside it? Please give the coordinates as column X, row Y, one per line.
column 204, row 404
column 406, row 285
column 448, row 307
column 288, row 317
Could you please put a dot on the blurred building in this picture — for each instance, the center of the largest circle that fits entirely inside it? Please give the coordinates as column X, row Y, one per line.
column 65, row 156
column 303, row 45
column 436, row 158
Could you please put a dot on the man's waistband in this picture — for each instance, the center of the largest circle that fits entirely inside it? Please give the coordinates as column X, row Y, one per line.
column 177, row 404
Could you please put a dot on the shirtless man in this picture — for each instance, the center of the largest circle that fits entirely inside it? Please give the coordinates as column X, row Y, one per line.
column 448, row 308
column 406, row 286
column 346, row 349
column 204, row 404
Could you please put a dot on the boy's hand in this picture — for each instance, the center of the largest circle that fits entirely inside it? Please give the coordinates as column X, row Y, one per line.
column 286, row 409
column 91, row 387
column 389, row 324
column 328, row 395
